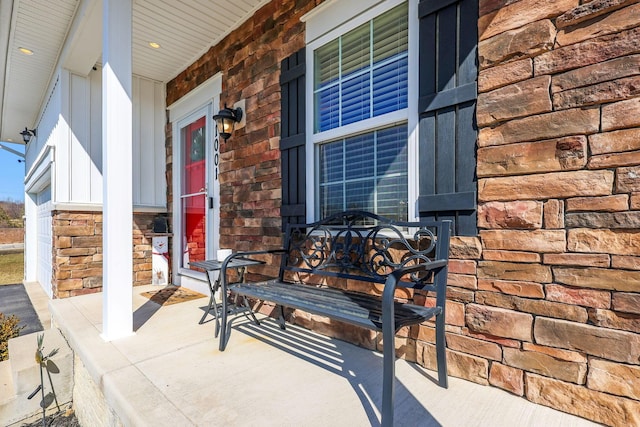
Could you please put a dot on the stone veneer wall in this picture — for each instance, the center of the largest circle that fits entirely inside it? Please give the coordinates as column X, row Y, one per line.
column 77, row 252
column 548, row 300
column 545, row 302
column 90, row 406
column 250, row 183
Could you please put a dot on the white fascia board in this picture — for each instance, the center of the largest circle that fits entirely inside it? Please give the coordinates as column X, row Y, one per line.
column 12, row 151
column 42, row 165
column 83, row 46
column 41, row 180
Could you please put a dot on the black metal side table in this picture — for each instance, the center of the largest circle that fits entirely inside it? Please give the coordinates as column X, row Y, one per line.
column 209, row 266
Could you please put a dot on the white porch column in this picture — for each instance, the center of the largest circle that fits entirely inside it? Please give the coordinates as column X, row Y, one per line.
column 117, row 130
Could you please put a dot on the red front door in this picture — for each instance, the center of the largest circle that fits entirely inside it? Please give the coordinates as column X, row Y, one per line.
column 194, row 192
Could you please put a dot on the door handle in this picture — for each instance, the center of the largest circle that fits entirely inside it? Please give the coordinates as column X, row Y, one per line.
column 210, row 202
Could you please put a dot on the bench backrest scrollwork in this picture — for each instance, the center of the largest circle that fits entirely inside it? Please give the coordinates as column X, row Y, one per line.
column 366, row 247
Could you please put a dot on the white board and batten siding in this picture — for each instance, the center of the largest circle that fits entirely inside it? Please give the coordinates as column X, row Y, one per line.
column 64, row 162
column 149, row 153
column 79, row 150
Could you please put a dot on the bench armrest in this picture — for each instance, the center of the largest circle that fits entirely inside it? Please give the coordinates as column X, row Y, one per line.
column 391, row 284
column 396, row 275
column 225, row 263
column 428, row 266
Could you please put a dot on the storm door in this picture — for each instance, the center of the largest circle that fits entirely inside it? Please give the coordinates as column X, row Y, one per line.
column 196, row 191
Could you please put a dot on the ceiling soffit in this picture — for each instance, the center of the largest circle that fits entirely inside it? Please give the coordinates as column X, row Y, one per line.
column 71, row 32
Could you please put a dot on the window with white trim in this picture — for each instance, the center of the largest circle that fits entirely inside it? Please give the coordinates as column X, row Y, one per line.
column 360, row 139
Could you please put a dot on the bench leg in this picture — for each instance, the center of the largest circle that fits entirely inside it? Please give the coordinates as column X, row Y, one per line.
column 224, row 328
column 388, row 373
column 250, row 310
column 441, row 354
column 281, row 320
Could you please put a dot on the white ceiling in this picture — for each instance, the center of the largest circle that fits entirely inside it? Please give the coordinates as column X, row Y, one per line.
column 68, row 32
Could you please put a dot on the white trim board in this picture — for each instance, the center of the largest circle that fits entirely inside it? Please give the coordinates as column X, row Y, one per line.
column 197, row 98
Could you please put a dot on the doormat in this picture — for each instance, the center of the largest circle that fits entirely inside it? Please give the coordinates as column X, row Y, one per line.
column 172, row 295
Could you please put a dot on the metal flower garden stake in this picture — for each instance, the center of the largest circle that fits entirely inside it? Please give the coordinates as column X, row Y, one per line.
column 48, row 365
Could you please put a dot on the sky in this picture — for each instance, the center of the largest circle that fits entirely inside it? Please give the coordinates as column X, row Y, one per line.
column 11, row 174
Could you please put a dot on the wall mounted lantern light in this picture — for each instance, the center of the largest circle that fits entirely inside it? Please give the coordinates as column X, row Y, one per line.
column 226, row 120
column 27, row 134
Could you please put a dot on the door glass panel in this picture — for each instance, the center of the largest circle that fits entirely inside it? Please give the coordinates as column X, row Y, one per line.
column 194, row 193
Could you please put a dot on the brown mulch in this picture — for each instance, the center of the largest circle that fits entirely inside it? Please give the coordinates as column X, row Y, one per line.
column 59, row 419
column 172, row 295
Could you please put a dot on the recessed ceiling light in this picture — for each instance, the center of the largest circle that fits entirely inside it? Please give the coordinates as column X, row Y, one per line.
column 25, row 51
column 154, row 45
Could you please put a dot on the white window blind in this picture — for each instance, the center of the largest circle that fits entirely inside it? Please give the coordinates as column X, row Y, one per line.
column 365, row 172
column 363, row 73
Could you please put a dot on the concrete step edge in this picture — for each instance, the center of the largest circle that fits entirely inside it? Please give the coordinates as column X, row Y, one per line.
column 7, row 391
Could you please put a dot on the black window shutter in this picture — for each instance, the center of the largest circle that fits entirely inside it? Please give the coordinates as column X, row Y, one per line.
column 292, row 139
column 448, row 91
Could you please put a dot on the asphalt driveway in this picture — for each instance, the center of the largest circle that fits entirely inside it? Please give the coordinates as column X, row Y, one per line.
column 14, row 300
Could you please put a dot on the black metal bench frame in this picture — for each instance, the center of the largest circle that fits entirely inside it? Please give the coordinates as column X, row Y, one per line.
column 365, row 247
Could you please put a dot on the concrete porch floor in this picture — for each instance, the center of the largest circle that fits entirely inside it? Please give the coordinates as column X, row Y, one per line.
column 170, row 373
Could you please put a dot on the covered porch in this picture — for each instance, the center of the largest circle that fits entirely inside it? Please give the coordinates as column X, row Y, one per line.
column 543, row 295
column 171, row 373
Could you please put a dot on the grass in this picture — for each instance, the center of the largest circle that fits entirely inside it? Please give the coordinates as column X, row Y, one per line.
column 11, row 268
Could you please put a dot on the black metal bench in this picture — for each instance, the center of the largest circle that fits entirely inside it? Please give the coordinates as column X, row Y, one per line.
column 359, row 246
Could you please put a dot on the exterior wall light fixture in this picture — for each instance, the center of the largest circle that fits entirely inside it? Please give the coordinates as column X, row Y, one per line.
column 27, row 134
column 226, row 120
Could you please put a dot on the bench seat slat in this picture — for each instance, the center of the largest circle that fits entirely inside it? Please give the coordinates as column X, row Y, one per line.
column 358, row 309
column 405, row 313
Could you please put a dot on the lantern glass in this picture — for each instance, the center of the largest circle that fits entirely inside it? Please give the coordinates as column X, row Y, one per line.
column 225, row 126
column 226, row 120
